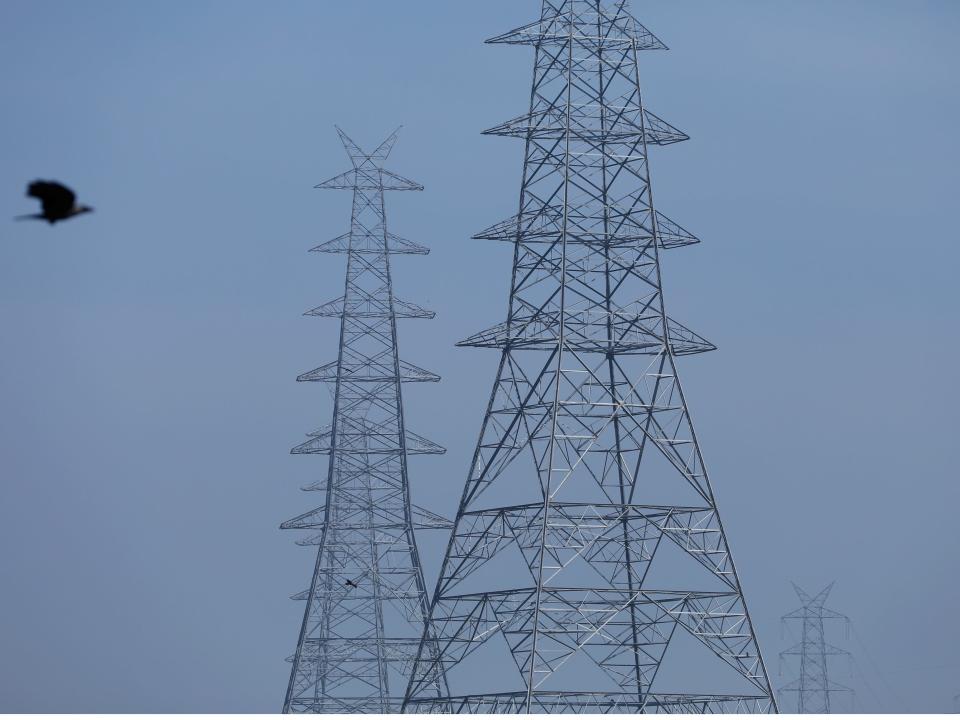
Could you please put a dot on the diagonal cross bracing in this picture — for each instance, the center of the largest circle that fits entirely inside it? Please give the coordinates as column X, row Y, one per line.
column 588, row 570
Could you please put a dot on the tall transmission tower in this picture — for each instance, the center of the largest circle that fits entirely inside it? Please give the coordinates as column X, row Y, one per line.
column 814, row 687
column 588, row 569
column 366, row 604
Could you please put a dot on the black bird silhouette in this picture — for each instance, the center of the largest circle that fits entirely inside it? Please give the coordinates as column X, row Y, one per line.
column 351, row 583
column 58, row 202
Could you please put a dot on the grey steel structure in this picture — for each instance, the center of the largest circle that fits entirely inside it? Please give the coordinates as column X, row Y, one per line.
column 366, row 603
column 588, row 570
column 813, row 688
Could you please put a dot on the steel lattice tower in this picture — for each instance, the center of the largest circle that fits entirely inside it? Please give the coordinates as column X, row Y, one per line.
column 814, row 687
column 366, row 604
column 587, row 547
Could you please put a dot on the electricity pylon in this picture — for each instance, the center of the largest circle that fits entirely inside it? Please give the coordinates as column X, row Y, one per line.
column 366, row 603
column 588, row 570
column 814, row 687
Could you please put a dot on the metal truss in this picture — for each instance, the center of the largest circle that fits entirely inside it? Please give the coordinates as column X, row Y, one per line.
column 366, row 604
column 596, row 703
column 813, row 688
column 588, row 570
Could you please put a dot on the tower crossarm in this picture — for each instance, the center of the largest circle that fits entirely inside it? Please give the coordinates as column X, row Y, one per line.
column 800, row 648
column 820, row 613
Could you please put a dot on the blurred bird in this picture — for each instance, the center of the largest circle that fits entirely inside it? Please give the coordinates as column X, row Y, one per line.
column 58, row 202
column 351, row 583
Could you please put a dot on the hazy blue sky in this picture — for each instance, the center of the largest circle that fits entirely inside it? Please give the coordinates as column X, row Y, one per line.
column 147, row 394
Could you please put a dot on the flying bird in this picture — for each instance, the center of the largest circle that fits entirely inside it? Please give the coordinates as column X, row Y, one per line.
column 351, row 583
column 58, row 202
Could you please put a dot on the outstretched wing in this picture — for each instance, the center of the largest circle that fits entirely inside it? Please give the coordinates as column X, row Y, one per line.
column 56, row 199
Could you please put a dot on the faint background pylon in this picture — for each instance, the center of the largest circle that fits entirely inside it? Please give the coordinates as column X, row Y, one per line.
column 366, row 604
column 813, row 688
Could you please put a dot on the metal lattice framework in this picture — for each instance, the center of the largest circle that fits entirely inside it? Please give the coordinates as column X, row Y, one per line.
column 366, row 604
column 587, row 554
column 813, row 687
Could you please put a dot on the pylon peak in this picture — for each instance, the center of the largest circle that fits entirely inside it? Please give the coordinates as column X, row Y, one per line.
column 377, row 157
column 585, row 22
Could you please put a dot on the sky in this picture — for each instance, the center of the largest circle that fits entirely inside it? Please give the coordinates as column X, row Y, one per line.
column 149, row 350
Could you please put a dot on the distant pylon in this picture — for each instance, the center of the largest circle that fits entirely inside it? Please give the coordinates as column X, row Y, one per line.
column 588, row 569
column 813, row 687
column 366, row 603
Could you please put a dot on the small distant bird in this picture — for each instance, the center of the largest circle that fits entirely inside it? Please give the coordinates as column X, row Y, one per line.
column 351, row 583
column 58, row 202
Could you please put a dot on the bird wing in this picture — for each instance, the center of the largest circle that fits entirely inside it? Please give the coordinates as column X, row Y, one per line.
column 52, row 195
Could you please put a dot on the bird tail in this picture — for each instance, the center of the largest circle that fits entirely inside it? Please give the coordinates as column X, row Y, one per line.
column 36, row 216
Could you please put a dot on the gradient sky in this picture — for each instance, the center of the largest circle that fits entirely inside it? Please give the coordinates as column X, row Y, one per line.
column 147, row 394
